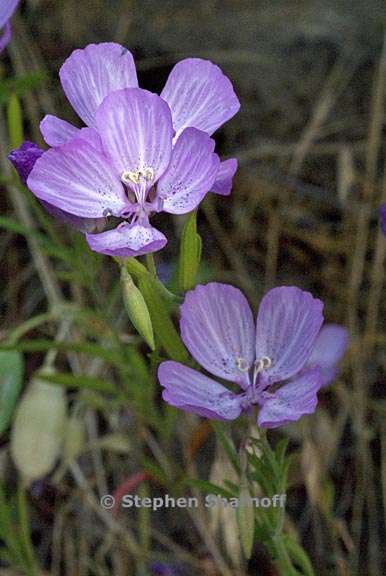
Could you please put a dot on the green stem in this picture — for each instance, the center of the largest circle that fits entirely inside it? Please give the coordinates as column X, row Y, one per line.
column 283, row 560
column 150, row 263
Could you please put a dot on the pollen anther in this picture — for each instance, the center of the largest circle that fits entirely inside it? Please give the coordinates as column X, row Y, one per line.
column 134, row 176
column 262, row 364
column 242, row 364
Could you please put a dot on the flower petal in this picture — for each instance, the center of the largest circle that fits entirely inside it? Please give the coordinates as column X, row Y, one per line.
column 136, row 130
column 191, row 391
column 56, row 131
column 7, row 8
column 288, row 323
column 127, row 240
column 90, row 74
column 217, row 327
column 329, row 347
column 24, row 158
column 224, row 179
column 191, row 172
column 91, row 136
column 199, row 96
column 82, row 224
column 291, row 401
column 78, row 179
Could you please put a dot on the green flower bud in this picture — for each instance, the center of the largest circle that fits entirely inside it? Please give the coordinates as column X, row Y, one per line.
column 38, row 429
column 136, row 308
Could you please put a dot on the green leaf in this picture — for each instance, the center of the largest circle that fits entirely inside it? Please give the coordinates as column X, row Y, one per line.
column 15, row 122
column 190, row 254
column 77, row 381
column 208, row 487
column 227, row 445
column 246, row 518
column 11, row 379
column 162, row 323
column 298, row 555
column 106, row 354
column 20, row 85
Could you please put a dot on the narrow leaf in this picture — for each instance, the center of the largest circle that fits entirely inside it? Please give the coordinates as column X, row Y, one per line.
column 11, row 379
column 190, row 254
column 161, row 320
column 15, row 122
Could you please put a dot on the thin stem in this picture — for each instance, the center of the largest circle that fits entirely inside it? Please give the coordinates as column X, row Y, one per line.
column 150, row 263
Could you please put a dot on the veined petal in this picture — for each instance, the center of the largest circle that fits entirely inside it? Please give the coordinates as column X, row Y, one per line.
column 136, row 131
column 90, row 74
column 56, row 131
column 288, row 323
column 190, row 174
column 91, row 136
column 7, row 8
column 82, row 224
column 217, row 327
column 329, row 347
column 23, row 159
column 127, row 240
column 199, row 96
column 224, row 178
column 291, row 401
column 78, row 179
column 191, row 391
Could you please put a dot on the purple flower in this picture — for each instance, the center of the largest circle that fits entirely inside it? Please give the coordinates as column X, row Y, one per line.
column 383, row 218
column 140, row 153
column 7, row 8
column 288, row 345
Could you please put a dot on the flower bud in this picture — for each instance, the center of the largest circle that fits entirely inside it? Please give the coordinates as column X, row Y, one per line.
column 136, row 308
column 38, row 429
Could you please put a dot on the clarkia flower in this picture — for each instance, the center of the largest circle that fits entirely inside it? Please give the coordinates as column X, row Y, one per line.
column 280, row 363
column 139, row 153
column 383, row 218
column 7, row 8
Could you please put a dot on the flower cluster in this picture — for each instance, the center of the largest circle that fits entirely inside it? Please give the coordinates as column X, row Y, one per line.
column 139, row 153
column 288, row 345
column 7, row 8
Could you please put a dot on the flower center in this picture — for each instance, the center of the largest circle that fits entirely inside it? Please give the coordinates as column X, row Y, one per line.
column 135, row 176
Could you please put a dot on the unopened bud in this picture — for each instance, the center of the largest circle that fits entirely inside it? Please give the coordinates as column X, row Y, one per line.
column 136, row 308
column 38, row 429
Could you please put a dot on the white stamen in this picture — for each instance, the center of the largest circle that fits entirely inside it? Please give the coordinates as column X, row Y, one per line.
column 262, row 364
column 242, row 364
column 134, row 176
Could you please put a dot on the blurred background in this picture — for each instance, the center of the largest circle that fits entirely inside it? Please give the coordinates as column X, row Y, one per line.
column 309, row 138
